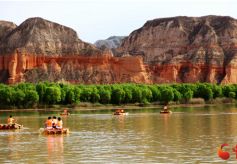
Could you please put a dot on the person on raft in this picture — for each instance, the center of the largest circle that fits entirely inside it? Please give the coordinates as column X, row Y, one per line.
column 118, row 111
column 11, row 120
column 54, row 122
column 59, row 124
column 65, row 112
column 165, row 109
column 49, row 123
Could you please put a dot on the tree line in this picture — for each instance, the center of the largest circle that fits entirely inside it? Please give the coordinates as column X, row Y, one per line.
column 28, row 95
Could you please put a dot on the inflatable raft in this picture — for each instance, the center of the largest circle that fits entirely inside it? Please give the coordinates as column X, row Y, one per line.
column 54, row 131
column 165, row 112
column 64, row 114
column 121, row 114
column 10, row 126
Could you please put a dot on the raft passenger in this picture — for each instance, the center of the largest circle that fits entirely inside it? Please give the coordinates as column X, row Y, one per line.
column 54, row 122
column 10, row 120
column 59, row 123
column 165, row 108
column 49, row 123
column 65, row 111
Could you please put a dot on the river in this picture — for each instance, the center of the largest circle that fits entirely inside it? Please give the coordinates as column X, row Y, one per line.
column 189, row 135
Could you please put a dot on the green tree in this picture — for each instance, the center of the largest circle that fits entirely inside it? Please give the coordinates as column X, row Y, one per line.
column 204, row 91
column 146, row 95
column 70, row 96
column 41, row 88
column 19, row 98
column 231, row 95
column 77, row 93
column 227, row 89
column 105, row 96
column 155, row 93
column 95, row 97
column 187, row 95
column 53, row 95
column 6, row 96
column 167, row 94
column 136, row 94
column 177, row 95
column 86, row 94
column 128, row 95
column 217, row 91
column 31, row 98
column 118, row 95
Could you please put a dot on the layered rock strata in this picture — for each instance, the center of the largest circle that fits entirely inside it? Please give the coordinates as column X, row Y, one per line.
column 95, row 69
column 187, row 49
column 40, row 50
column 167, row 50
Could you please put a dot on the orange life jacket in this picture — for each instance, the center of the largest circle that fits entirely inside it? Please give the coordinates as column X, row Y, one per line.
column 49, row 123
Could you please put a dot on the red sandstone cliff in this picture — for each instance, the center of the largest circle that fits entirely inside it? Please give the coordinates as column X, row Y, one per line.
column 40, row 50
column 178, row 49
column 187, row 49
column 95, row 69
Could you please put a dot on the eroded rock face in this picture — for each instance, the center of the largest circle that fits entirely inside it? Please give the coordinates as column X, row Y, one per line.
column 187, row 49
column 41, row 37
column 5, row 28
column 40, row 50
column 95, row 69
column 168, row 50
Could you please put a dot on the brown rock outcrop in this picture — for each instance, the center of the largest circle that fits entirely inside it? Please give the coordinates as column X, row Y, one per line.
column 40, row 50
column 187, row 49
column 178, row 49
column 41, row 37
column 5, row 28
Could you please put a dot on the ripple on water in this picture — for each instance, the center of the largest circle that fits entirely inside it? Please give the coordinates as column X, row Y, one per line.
column 136, row 138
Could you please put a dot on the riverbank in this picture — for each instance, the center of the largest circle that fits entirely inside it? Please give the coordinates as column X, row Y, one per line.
column 86, row 106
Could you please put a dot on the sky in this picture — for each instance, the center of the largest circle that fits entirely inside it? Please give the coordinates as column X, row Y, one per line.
column 99, row 19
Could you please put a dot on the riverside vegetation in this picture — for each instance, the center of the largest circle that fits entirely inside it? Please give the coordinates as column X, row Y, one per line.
column 28, row 95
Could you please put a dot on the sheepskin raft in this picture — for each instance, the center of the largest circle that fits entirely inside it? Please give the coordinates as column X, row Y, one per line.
column 10, row 126
column 54, row 131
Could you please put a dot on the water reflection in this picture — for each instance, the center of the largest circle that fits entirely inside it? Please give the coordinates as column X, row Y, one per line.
column 166, row 118
column 120, row 121
column 55, row 148
column 10, row 142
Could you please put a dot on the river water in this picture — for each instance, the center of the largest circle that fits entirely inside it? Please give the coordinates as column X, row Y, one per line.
column 189, row 135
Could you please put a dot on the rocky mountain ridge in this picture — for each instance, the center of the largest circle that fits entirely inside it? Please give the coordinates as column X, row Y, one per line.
column 192, row 49
column 166, row 50
column 42, row 37
column 40, row 50
column 5, row 28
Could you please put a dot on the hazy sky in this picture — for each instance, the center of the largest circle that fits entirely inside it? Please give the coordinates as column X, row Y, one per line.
column 99, row 19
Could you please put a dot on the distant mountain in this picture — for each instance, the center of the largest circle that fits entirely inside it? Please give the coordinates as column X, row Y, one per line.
column 110, row 43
